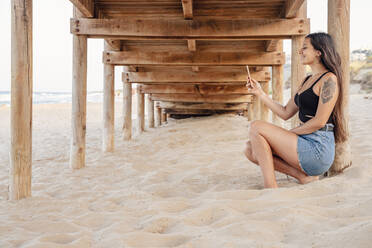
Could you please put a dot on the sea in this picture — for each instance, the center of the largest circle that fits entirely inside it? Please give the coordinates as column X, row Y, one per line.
column 55, row 97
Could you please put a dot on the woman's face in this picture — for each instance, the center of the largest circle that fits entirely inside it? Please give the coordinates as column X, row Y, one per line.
column 308, row 54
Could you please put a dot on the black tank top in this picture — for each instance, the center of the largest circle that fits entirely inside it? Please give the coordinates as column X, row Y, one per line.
column 308, row 101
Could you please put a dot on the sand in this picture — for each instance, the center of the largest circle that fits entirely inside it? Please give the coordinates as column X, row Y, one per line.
column 186, row 184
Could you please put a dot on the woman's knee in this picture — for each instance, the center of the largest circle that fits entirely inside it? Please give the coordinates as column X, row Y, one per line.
column 254, row 127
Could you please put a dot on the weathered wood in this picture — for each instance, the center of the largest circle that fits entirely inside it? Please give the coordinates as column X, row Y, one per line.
column 129, row 27
column 264, row 113
column 292, row 7
column 202, row 99
column 164, row 116
column 157, row 115
column 140, row 110
column 188, row 76
column 127, row 110
column 277, row 88
column 130, row 68
column 204, row 90
column 192, row 59
column 150, row 111
column 108, row 106
column 250, row 112
column 187, row 9
column 210, row 106
column 195, row 68
column 191, row 44
column 297, row 68
column 339, row 29
column 112, row 45
column 256, row 108
column 271, row 45
column 79, row 101
column 86, row 7
column 21, row 100
column 195, row 111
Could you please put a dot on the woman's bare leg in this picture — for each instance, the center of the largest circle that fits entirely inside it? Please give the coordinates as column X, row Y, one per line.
column 267, row 139
column 281, row 166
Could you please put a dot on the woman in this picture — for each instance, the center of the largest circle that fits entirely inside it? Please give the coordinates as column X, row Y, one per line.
column 306, row 151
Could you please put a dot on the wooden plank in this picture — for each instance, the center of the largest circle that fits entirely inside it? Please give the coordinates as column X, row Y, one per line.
column 86, row 7
column 187, row 9
column 195, row 89
column 156, row 28
column 292, row 8
column 193, row 59
column 201, row 99
column 271, row 45
column 21, row 101
column 195, row 68
column 211, row 106
column 188, row 76
column 191, row 44
column 79, row 102
column 195, row 111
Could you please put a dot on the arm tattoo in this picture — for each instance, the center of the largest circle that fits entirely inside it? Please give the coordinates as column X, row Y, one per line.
column 328, row 90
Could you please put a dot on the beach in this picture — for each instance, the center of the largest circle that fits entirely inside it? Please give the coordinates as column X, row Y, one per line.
column 185, row 184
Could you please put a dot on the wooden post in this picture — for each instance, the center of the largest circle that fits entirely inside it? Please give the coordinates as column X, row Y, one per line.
column 108, row 106
column 127, row 110
column 163, row 116
column 297, row 68
column 250, row 112
column 140, row 109
column 21, row 100
column 158, row 116
column 277, row 85
column 339, row 29
column 150, row 111
column 256, row 108
column 264, row 113
column 79, row 100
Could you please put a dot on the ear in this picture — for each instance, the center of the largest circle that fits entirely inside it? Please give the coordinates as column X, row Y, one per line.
column 319, row 53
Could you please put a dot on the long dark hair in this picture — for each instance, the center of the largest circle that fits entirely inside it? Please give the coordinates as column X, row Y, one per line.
column 331, row 60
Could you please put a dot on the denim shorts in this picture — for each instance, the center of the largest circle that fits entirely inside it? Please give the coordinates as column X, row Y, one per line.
column 316, row 152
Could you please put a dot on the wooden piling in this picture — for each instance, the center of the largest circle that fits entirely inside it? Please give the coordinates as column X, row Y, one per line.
column 79, row 100
column 21, row 100
column 140, row 109
column 150, row 111
column 127, row 110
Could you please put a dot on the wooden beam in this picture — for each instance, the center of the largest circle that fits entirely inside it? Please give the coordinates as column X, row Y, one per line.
column 86, row 7
column 187, row 9
column 202, row 99
column 126, row 28
column 292, row 8
column 130, row 68
column 79, row 101
column 271, row 45
column 191, row 44
column 211, row 106
column 193, row 59
column 195, row 111
column 21, row 100
column 195, row 68
column 195, row 89
column 112, row 45
column 184, row 76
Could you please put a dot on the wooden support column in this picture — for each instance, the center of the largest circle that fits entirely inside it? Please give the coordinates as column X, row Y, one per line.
column 297, row 68
column 108, row 106
column 256, row 108
column 158, row 115
column 140, row 109
column 21, row 100
column 264, row 110
column 150, row 111
column 163, row 116
column 277, row 86
column 339, row 29
column 127, row 110
column 250, row 112
column 79, row 100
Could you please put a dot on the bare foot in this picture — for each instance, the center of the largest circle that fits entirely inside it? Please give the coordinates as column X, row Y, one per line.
column 308, row 179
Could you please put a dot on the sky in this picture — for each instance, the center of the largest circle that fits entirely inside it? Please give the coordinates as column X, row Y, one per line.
column 52, row 43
